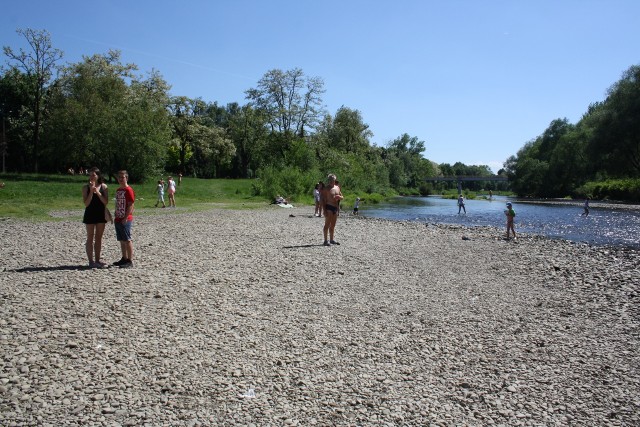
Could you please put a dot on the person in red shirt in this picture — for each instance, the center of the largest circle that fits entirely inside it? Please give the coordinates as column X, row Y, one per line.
column 123, row 219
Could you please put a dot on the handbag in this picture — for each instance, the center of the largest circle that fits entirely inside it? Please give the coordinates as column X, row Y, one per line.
column 107, row 215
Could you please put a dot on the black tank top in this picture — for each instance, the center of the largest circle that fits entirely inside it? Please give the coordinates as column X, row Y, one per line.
column 94, row 213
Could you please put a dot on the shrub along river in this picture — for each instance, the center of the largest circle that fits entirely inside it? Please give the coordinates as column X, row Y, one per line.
column 606, row 224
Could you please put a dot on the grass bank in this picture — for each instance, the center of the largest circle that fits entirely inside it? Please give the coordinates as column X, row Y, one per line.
column 35, row 196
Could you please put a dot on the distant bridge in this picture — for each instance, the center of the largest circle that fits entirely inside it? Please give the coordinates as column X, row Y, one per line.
column 461, row 178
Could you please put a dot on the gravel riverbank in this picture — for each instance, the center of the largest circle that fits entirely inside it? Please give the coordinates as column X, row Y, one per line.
column 244, row 318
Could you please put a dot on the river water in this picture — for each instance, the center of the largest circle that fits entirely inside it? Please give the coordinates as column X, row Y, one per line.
column 605, row 225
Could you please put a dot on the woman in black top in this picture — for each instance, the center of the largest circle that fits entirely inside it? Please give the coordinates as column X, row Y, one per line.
column 95, row 196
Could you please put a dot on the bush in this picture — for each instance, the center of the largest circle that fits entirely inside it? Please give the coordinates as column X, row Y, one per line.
column 291, row 182
column 425, row 189
column 614, row 189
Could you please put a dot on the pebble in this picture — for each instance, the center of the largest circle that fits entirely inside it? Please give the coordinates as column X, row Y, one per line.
column 413, row 325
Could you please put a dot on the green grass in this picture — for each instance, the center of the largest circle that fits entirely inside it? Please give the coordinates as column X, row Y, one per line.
column 35, row 196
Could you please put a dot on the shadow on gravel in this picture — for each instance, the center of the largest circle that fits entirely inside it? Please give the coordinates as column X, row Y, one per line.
column 57, row 268
column 302, row 246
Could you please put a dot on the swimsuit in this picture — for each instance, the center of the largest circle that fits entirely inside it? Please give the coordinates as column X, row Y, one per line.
column 331, row 208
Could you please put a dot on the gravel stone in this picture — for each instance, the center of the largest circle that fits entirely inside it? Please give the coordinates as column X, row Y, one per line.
column 401, row 324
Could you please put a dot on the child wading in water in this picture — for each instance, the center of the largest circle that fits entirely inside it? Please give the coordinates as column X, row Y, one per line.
column 356, row 206
column 511, row 214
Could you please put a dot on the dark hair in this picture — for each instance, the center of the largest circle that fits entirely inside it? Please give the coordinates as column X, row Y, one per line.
column 99, row 179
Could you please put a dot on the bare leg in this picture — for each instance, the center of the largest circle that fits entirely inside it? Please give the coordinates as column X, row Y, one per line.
column 97, row 246
column 127, row 249
column 325, row 230
column 333, row 218
column 89, row 243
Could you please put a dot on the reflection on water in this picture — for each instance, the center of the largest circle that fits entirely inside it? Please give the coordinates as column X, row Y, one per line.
column 608, row 226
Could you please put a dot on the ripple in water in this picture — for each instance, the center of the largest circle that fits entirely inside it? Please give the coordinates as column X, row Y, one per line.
column 603, row 226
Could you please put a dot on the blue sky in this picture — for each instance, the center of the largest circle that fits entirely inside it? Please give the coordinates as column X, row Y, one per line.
column 474, row 80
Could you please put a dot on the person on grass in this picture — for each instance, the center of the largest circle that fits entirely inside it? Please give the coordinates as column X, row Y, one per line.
column 96, row 197
column 171, row 184
column 160, row 191
column 123, row 221
column 330, row 200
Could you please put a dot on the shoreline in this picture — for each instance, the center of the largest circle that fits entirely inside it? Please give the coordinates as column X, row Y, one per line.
column 579, row 203
column 401, row 324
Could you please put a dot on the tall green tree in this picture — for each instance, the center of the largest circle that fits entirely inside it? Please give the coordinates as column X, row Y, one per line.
column 616, row 137
column 246, row 128
column 99, row 118
column 16, row 125
column 407, row 166
column 198, row 145
column 348, row 132
column 38, row 63
column 532, row 171
column 291, row 101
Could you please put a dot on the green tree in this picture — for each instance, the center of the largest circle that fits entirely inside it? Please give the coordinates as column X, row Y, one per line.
column 201, row 146
column 533, row 171
column 16, row 125
column 616, row 134
column 38, row 64
column 407, row 167
column 99, row 119
column 290, row 101
column 246, row 128
column 568, row 163
column 347, row 132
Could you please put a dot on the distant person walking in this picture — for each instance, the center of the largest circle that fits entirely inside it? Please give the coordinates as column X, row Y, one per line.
column 171, row 188
column 330, row 199
column 321, row 190
column 96, row 197
column 123, row 221
column 510, row 214
column 586, row 207
column 461, row 204
column 316, row 198
column 160, row 191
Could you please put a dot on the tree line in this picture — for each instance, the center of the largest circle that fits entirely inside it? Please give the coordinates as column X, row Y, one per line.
column 597, row 157
column 100, row 111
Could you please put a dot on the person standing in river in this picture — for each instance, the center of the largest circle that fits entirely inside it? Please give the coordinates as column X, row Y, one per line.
column 586, row 207
column 461, row 204
column 330, row 200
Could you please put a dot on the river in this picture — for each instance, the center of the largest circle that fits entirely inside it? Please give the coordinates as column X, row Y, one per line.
column 607, row 224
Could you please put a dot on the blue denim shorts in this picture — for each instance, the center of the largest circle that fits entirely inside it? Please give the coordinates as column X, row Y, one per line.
column 123, row 230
